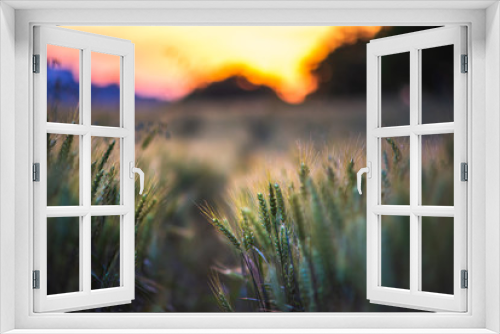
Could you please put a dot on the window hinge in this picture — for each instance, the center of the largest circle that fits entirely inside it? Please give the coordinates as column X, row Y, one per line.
column 36, row 279
column 36, row 172
column 36, row 63
column 464, row 279
column 464, row 171
column 465, row 64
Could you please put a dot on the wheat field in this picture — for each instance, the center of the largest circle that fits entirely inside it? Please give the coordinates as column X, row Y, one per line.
column 232, row 223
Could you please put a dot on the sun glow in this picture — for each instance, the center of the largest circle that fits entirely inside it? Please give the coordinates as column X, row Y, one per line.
column 171, row 62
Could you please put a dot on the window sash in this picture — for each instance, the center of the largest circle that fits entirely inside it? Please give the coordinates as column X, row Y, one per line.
column 85, row 298
column 413, row 43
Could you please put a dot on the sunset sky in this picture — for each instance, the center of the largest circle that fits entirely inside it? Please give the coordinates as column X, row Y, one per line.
column 171, row 62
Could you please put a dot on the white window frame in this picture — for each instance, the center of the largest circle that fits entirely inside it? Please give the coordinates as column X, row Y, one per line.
column 413, row 44
column 483, row 21
column 85, row 43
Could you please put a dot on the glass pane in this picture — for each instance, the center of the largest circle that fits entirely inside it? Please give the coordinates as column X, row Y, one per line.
column 437, row 254
column 105, row 76
column 437, row 84
column 63, row 84
column 63, row 170
column 105, row 252
column 395, row 178
column 437, row 170
column 105, row 188
column 396, row 251
column 395, row 94
column 63, row 255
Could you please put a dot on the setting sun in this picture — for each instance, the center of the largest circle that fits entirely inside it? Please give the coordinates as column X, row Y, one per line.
column 171, row 62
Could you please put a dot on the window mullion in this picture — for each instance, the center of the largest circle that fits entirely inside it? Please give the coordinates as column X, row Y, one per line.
column 419, row 162
column 81, row 164
column 85, row 266
column 85, row 180
column 414, row 171
column 420, row 129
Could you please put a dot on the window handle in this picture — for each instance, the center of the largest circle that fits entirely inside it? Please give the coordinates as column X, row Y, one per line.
column 139, row 171
column 368, row 171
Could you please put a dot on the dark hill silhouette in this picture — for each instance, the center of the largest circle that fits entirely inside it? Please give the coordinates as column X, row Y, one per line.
column 234, row 87
column 63, row 89
column 343, row 72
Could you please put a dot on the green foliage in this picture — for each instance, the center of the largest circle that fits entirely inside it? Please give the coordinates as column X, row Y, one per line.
column 313, row 238
column 300, row 267
column 221, row 298
column 226, row 231
column 264, row 213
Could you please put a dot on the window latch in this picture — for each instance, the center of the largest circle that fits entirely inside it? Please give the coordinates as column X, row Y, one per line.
column 368, row 171
column 132, row 171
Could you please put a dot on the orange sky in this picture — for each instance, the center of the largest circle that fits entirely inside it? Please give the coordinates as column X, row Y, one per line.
column 173, row 61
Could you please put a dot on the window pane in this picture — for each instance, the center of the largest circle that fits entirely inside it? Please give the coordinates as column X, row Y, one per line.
column 437, row 84
column 105, row 252
column 395, row 238
column 63, row 255
column 63, row 170
column 63, row 84
column 395, row 94
column 395, row 178
column 105, row 76
column 105, row 187
column 437, row 170
column 437, row 254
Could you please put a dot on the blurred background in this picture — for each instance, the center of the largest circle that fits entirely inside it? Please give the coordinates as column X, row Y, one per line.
column 226, row 113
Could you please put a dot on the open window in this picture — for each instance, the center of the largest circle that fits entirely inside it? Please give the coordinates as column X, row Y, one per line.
column 411, row 229
column 74, row 211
